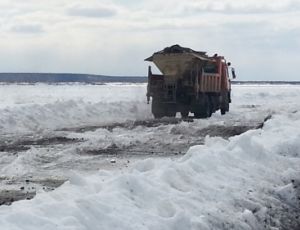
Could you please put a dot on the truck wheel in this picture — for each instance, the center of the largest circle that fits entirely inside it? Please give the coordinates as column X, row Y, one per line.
column 224, row 110
column 157, row 115
column 225, row 105
column 158, row 110
column 204, row 112
column 170, row 114
column 214, row 104
column 209, row 108
column 198, row 115
column 170, row 110
column 184, row 113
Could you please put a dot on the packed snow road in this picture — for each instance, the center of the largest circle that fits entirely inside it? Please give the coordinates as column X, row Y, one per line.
column 54, row 133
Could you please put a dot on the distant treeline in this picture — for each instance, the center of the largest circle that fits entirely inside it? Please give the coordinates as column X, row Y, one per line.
column 65, row 77
column 91, row 78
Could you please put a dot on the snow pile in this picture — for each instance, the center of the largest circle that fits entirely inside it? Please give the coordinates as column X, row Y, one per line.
column 232, row 184
column 39, row 108
column 36, row 108
column 247, row 100
column 36, row 118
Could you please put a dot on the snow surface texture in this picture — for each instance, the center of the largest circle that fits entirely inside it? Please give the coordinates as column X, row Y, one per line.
column 225, row 184
column 27, row 109
column 220, row 185
column 37, row 108
column 37, row 111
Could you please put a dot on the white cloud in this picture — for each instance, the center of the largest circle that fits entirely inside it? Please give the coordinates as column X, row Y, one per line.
column 28, row 29
column 92, row 11
column 95, row 36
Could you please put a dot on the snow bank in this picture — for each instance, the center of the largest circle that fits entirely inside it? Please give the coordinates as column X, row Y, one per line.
column 221, row 185
column 36, row 108
column 37, row 118
column 42, row 107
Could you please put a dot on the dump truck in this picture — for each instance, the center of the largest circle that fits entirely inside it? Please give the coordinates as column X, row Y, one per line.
column 191, row 81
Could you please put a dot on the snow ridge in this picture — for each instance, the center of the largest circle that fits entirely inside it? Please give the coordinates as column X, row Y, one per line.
column 51, row 116
column 224, row 184
column 27, row 109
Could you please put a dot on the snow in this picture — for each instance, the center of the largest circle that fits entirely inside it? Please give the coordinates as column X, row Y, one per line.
column 223, row 184
column 37, row 108
column 288, row 194
column 27, row 109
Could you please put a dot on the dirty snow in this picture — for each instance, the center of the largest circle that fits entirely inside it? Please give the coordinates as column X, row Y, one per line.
column 250, row 181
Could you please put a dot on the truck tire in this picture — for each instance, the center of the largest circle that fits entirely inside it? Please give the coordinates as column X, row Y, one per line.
column 225, row 109
column 204, row 112
column 171, row 114
column 225, row 105
column 184, row 113
column 214, row 101
column 158, row 109
column 170, row 110
column 204, row 108
column 198, row 115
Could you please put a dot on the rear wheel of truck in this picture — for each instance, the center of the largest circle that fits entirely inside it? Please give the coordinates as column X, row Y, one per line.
column 158, row 109
column 225, row 105
column 170, row 110
column 204, row 112
column 223, row 111
column 198, row 115
column 184, row 113
column 204, row 108
column 171, row 114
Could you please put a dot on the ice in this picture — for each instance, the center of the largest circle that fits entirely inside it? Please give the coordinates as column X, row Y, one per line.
column 243, row 182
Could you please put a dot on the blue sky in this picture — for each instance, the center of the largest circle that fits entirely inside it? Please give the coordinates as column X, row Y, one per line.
column 260, row 37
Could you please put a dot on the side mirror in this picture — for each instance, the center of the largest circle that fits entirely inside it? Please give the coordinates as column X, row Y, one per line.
column 233, row 73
